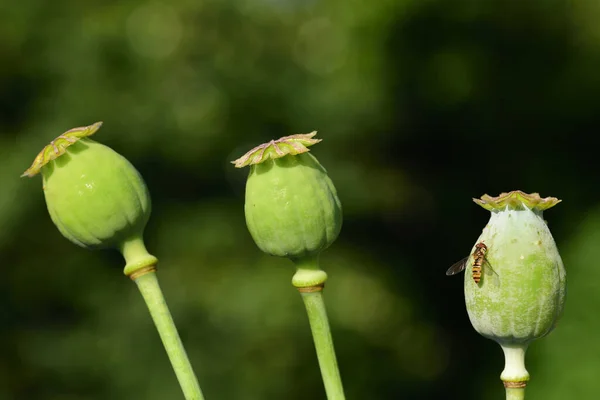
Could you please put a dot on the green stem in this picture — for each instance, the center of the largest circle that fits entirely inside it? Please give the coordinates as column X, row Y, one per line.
column 514, row 375
column 514, row 363
column 319, row 324
column 150, row 289
column 515, row 393
column 136, row 256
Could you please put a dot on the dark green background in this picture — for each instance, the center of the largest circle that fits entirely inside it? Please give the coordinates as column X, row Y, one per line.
column 421, row 105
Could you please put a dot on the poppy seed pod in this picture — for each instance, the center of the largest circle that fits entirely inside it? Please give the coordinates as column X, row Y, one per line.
column 292, row 208
column 95, row 197
column 522, row 288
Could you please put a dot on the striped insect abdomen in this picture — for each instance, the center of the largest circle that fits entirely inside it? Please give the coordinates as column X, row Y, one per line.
column 477, row 269
column 478, row 257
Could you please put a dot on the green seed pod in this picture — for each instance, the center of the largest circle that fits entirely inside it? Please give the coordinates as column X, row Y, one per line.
column 522, row 288
column 95, row 197
column 292, row 208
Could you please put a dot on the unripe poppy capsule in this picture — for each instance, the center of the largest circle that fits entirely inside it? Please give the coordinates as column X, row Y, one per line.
column 292, row 208
column 95, row 197
column 522, row 290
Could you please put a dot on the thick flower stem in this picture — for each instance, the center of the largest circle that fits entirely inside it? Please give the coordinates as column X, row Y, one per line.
column 515, row 393
column 515, row 376
column 514, row 373
column 147, row 283
column 319, row 325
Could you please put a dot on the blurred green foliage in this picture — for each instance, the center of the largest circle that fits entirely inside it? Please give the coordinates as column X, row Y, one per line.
column 421, row 104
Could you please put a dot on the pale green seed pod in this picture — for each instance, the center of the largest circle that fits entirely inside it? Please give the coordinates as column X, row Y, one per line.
column 522, row 290
column 292, row 208
column 95, row 197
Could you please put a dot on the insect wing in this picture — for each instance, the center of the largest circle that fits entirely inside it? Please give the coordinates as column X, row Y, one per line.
column 489, row 272
column 457, row 267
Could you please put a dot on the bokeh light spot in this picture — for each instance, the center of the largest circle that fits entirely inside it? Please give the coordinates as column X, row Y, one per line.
column 320, row 47
column 154, row 30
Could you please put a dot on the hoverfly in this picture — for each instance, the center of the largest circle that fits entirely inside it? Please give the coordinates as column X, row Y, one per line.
column 479, row 262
